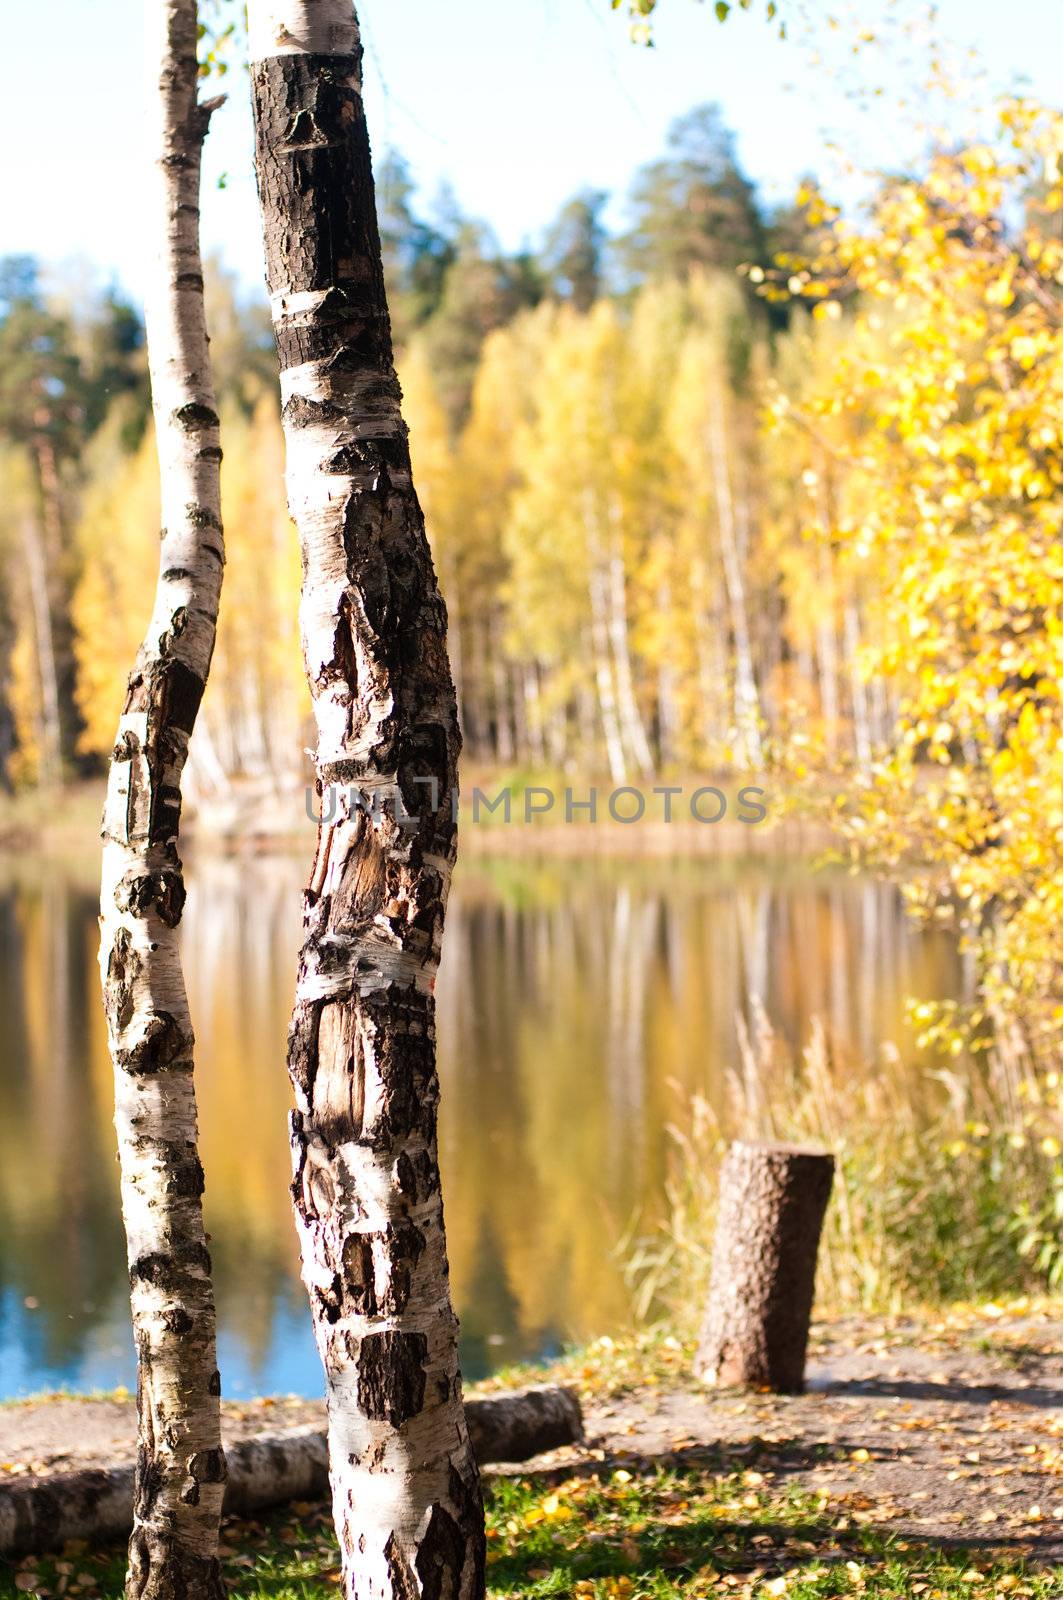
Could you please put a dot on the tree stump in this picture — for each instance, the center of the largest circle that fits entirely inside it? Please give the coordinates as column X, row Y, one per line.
column 772, row 1202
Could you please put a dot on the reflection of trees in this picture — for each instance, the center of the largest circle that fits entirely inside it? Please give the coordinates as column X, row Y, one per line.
column 60, row 1236
column 628, row 981
column 240, row 936
column 572, row 998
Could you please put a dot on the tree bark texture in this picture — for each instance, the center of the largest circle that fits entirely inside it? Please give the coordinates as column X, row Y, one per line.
column 772, row 1202
column 180, row 1468
column 366, row 1184
column 269, row 1469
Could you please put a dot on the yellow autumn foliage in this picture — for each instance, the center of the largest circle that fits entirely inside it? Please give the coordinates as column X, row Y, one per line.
column 939, row 424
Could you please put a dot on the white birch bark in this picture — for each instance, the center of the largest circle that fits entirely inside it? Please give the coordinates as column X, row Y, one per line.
column 598, row 587
column 857, row 686
column 826, row 637
column 619, row 635
column 180, row 1466
column 51, row 751
column 368, row 1205
column 747, row 703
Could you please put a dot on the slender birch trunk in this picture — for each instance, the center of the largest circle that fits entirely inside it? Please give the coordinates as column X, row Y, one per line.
column 180, row 1466
column 746, row 699
column 598, row 586
column 826, row 636
column 619, row 636
column 603, row 672
column 667, row 711
column 504, row 740
column 51, row 742
column 857, row 686
column 531, row 700
column 712, row 669
column 368, row 1206
column 52, row 545
column 477, row 725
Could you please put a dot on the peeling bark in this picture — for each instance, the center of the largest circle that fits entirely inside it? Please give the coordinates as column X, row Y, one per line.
column 180, row 1468
column 366, row 1185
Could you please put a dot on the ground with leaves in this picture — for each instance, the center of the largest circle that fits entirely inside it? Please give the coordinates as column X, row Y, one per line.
column 926, row 1460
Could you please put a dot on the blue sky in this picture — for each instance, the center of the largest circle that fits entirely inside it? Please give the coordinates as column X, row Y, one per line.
column 518, row 102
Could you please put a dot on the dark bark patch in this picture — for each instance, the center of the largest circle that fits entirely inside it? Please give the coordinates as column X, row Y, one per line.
column 164, row 1041
column 177, row 1322
column 202, row 517
column 171, row 1273
column 195, row 418
column 382, row 1290
column 329, row 1302
column 148, row 1480
column 406, row 1177
column 160, row 1568
column 208, row 1466
column 441, row 1557
column 163, row 891
column 185, row 1178
column 123, row 968
column 302, row 413
column 391, row 1378
column 403, row 1582
column 184, row 691
column 359, row 1273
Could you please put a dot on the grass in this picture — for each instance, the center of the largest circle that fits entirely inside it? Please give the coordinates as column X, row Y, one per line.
column 948, row 1182
column 697, row 1531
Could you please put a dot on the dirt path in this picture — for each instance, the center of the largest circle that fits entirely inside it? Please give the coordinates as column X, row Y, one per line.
column 942, row 1440
column 951, row 1433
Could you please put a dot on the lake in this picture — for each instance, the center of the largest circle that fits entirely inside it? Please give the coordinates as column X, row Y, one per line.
column 579, row 1002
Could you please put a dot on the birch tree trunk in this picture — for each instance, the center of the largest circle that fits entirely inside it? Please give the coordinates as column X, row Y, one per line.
column 826, row 637
column 619, row 636
column 51, row 748
column 857, row 686
column 746, row 699
column 504, row 741
column 180, row 1466
column 368, row 1206
column 598, row 587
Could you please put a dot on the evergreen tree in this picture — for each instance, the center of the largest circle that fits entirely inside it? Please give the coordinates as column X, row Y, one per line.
column 417, row 253
column 694, row 207
column 574, row 249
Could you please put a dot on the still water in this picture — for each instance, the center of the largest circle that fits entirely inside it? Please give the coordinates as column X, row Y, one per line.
column 578, row 1003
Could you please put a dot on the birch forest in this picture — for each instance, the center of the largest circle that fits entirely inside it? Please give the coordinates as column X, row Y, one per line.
column 637, row 574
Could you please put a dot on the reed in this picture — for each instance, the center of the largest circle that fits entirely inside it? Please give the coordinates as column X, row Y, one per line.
column 949, row 1181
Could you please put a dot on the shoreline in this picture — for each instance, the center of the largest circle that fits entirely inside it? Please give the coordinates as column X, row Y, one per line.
column 940, row 1427
column 257, row 820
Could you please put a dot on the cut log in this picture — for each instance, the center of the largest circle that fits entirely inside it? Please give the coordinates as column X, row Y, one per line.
column 523, row 1422
column 268, row 1469
column 773, row 1198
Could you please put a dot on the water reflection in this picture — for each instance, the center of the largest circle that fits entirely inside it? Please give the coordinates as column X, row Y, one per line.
column 574, row 999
